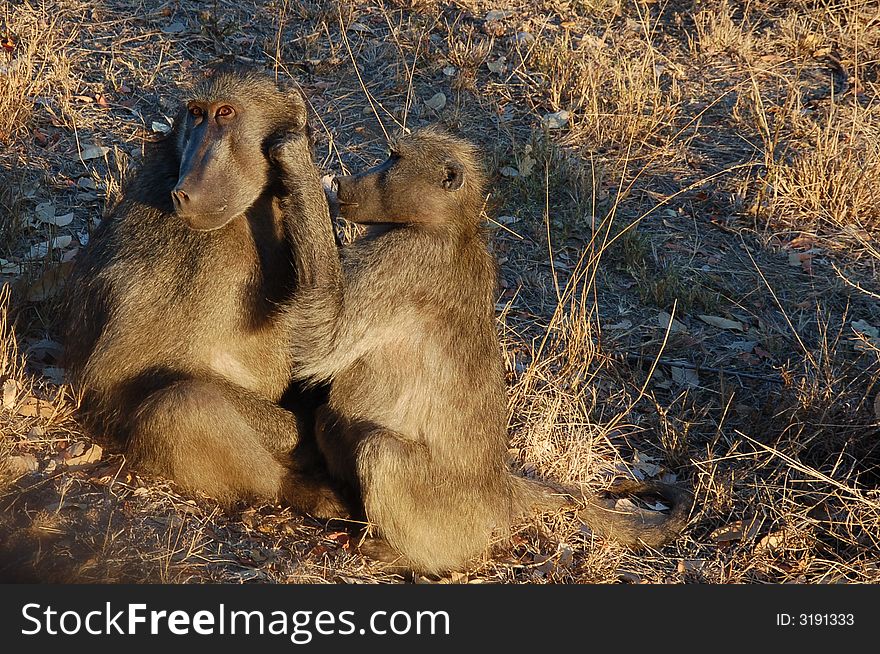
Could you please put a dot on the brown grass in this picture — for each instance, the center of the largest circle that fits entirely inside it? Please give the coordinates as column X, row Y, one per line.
column 41, row 69
column 720, row 160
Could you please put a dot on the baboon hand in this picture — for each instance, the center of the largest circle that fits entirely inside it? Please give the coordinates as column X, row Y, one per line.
column 291, row 151
column 330, row 189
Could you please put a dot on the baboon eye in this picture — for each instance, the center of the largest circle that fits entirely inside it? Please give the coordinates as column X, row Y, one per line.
column 196, row 111
column 225, row 111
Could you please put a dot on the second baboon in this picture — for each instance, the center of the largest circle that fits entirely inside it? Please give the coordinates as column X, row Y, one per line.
column 176, row 333
column 404, row 326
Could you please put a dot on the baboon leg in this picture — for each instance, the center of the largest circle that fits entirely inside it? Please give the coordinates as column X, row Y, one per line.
column 337, row 439
column 428, row 514
column 309, row 489
column 191, row 432
column 306, row 486
column 390, row 473
column 209, row 438
column 278, row 429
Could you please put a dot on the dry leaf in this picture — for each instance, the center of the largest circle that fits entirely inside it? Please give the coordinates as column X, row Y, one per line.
column 161, row 128
column 360, row 27
column 663, row 319
column 450, row 71
column 436, row 101
column 40, row 250
column 645, row 463
column 691, row 565
column 774, row 541
column 74, row 450
column 866, row 328
column 45, row 212
column 9, row 268
column 23, row 464
column 722, row 323
column 761, row 352
column 62, row 221
column 509, row 171
column 33, row 408
column 497, row 14
column 10, row 393
column 174, row 28
column 739, row 530
column 8, row 43
column 93, row 152
column 526, row 165
column 556, row 120
column 498, row 66
column 625, row 505
column 801, row 242
column 685, row 377
column 803, row 260
column 91, row 455
column 868, row 331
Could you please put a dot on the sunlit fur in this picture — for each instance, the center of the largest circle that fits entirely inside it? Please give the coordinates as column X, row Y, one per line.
column 177, row 339
column 404, row 326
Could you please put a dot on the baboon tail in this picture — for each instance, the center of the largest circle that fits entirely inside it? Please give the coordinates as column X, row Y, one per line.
column 536, row 496
column 636, row 530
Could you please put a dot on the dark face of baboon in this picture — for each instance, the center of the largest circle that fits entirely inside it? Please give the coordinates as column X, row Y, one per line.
column 428, row 178
column 223, row 136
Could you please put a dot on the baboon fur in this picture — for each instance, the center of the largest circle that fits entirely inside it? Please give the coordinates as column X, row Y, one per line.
column 177, row 336
column 403, row 325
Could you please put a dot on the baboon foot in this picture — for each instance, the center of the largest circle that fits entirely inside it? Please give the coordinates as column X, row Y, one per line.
column 380, row 550
column 318, row 498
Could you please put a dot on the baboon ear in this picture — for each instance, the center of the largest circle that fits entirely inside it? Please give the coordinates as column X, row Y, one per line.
column 296, row 103
column 453, row 175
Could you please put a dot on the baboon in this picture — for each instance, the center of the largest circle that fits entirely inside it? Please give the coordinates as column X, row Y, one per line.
column 403, row 326
column 176, row 331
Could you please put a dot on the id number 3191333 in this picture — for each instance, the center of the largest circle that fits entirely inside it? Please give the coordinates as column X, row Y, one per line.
column 815, row 619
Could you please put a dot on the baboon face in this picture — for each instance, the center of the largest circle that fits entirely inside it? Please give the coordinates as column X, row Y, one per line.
column 224, row 134
column 428, row 177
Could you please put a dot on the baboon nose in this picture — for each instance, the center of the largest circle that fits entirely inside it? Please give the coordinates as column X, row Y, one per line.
column 180, row 198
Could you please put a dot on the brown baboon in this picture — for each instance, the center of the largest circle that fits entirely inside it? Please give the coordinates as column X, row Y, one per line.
column 404, row 326
column 176, row 329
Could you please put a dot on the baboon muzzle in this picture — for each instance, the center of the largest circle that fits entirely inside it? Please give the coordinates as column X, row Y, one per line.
column 200, row 197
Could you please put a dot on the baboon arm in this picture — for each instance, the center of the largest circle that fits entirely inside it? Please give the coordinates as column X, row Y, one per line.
column 315, row 308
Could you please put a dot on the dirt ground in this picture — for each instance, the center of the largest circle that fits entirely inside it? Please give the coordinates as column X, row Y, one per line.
column 685, row 205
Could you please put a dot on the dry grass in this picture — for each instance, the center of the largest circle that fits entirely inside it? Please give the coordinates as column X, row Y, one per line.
column 719, row 158
column 41, row 69
column 832, row 184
